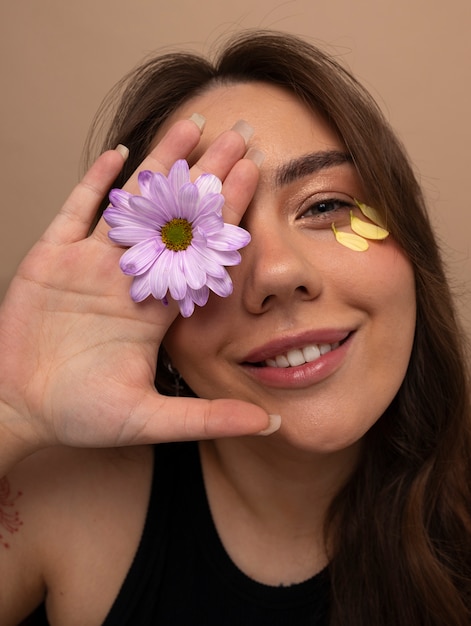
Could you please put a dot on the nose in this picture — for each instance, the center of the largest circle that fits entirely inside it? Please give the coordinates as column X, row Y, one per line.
column 278, row 268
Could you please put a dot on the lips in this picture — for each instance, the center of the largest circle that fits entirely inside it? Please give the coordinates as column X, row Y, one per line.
column 292, row 351
column 301, row 361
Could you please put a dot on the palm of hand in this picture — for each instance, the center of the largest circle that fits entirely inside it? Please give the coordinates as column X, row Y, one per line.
column 77, row 355
column 77, row 346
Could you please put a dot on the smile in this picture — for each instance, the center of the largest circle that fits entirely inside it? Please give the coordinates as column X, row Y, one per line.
column 295, row 363
column 299, row 356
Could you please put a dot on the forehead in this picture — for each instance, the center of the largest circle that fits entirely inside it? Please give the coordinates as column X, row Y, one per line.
column 282, row 123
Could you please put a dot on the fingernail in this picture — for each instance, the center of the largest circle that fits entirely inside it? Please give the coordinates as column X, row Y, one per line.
column 199, row 120
column 275, row 423
column 123, row 151
column 243, row 128
column 257, row 156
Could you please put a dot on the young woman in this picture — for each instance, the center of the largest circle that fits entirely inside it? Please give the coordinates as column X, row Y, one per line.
column 335, row 337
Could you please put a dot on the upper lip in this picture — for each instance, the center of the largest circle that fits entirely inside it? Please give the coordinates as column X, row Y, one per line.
column 282, row 345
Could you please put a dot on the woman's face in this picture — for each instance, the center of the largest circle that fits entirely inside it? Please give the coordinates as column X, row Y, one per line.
column 299, row 294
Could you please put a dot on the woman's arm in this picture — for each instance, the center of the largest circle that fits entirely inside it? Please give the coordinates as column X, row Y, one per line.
column 77, row 355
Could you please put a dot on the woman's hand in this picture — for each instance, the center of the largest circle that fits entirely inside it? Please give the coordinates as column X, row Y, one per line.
column 77, row 355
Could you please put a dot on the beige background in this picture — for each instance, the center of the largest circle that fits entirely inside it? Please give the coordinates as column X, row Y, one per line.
column 59, row 58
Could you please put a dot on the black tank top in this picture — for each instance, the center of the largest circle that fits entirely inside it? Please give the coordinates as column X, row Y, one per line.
column 182, row 576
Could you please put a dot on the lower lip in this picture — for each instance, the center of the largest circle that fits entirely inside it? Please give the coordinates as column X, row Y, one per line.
column 301, row 376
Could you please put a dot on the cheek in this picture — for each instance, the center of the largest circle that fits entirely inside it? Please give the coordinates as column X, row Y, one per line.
column 385, row 289
column 382, row 278
column 194, row 343
column 379, row 285
column 396, row 286
column 183, row 342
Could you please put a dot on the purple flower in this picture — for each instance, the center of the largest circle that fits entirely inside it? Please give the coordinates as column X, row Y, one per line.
column 179, row 242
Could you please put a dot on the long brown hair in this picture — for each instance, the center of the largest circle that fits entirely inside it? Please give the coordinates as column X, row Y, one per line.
column 402, row 525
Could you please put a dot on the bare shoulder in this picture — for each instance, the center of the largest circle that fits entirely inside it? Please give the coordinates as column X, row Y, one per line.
column 60, row 480
column 80, row 473
column 70, row 523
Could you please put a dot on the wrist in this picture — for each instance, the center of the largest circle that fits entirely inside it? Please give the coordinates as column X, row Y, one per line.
column 17, row 439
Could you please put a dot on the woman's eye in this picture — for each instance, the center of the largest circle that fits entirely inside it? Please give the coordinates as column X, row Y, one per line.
column 329, row 206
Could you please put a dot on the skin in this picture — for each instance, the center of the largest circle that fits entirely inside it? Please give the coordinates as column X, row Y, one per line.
column 295, row 281
column 268, row 495
column 66, row 326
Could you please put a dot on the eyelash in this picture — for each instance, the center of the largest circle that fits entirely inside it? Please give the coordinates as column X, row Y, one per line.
column 326, row 209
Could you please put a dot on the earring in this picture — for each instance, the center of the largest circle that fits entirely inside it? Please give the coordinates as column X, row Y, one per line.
column 177, row 379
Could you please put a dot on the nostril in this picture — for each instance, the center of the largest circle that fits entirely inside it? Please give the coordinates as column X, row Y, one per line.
column 266, row 302
column 299, row 291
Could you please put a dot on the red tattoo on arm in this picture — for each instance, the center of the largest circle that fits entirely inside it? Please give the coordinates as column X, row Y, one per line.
column 9, row 516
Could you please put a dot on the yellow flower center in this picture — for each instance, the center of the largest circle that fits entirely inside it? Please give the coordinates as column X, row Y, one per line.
column 177, row 234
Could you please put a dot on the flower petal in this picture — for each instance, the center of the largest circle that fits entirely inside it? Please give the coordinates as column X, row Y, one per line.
column 230, row 257
column 208, row 260
column 144, row 179
column 367, row 229
column 218, row 258
column 178, row 175
column 146, row 211
column 177, row 284
column 188, row 201
column 350, row 240
column 370, row 213
column 141, row 257
column 194, row 271
column 140, row 288
column 230, row 238
column 130, row 235
column 200, row 296
column 161, row 194
column 208, row 183
column 159, row 276
column 221, row 286
column 131, row 219
column 166, row 275
column 193, row 296
column 120, row 198
column 208, row 223
column 187, row 306
column 211, row 203
column 117, row 217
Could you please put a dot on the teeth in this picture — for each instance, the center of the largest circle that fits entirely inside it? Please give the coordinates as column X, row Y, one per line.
column 311, row 353
column 325, row 347
column 292, row 358
column 295, row 357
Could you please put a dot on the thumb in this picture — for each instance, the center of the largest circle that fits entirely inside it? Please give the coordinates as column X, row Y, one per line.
column 162, row 418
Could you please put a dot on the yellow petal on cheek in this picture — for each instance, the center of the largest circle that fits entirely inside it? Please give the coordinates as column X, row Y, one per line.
column 350, row 240
column 366, row 229
column 370, row 213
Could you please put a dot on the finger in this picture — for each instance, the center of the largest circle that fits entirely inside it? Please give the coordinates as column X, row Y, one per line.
column 239, row 187
column 75, row 217
column 177, row 143
column 224, row 152
column 183, row 419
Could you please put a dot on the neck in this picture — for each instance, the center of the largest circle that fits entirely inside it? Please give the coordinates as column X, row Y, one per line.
column 269, row 502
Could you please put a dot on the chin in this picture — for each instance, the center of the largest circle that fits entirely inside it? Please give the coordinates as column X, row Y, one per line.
column 315, row 439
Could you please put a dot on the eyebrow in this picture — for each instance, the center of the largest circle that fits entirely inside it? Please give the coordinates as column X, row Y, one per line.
column 309, row 164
